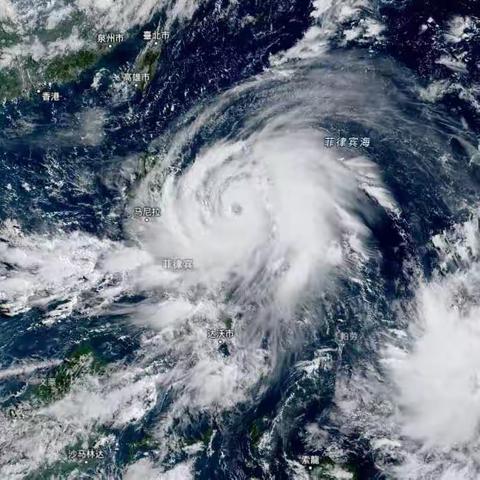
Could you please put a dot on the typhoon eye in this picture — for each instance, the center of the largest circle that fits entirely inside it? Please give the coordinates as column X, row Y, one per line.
column 236, row 209
column 239, row 239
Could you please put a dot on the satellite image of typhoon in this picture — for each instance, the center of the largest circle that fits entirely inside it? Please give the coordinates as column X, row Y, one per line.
column 239, row 239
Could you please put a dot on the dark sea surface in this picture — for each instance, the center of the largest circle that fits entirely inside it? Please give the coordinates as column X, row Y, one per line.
column 79, row 271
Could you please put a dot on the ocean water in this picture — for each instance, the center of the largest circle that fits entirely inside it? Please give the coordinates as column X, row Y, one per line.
column 314, row 166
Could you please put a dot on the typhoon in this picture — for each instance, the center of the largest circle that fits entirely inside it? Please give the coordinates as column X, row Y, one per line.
column 240, row 240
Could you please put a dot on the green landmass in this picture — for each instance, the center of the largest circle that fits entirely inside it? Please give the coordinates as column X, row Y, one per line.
column 65, row 28
column 149, row 61
column 63, row 69
column 10, row 84
column 144, row 444
column 329, row 470
column 257, row 429
column 25, row 77
column 80, row 362
column 65, row 466
column 8, row 36
column 25, row 74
